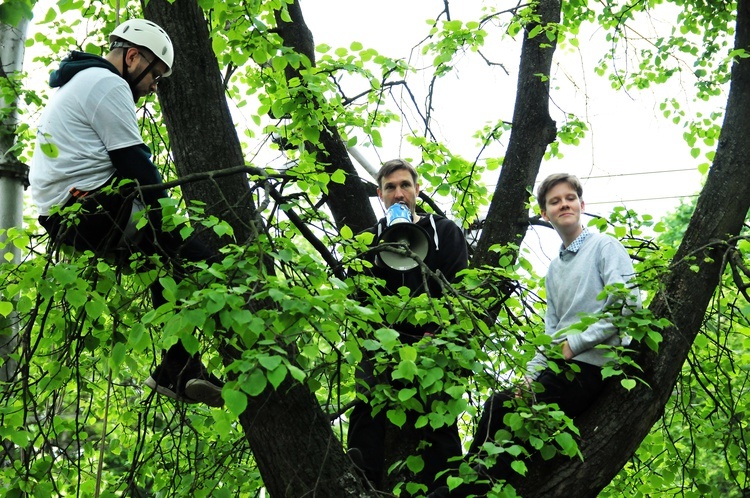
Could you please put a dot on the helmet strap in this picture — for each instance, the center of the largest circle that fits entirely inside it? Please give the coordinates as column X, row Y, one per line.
column 127, row 76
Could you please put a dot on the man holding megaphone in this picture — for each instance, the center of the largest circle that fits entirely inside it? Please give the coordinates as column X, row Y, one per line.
column 405, row 241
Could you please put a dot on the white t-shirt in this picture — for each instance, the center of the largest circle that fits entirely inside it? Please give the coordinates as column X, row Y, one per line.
column 89, row 115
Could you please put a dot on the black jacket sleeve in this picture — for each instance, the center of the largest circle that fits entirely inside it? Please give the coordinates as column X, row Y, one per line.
column 134, row 163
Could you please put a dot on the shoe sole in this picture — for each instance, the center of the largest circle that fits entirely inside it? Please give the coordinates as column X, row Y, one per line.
column 203, row 391
column 165, row 391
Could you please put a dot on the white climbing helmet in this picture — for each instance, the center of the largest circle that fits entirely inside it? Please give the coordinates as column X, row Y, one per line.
column 147, row 34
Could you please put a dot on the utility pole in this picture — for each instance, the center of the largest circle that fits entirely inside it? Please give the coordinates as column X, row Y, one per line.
column 13, row 176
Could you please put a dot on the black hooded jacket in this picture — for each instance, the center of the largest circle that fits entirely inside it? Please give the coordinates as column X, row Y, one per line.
column 448, row 254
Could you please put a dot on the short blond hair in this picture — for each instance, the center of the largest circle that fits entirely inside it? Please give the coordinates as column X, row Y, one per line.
column 555, row 179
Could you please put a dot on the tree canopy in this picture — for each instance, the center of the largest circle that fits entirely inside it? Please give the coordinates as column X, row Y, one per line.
column 282, row 318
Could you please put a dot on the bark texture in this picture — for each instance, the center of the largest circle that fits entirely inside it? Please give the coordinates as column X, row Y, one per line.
column 533, row 129
column 197, row 116
column 295, row 448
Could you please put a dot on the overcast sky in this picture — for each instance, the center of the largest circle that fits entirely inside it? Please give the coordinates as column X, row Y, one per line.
column 632, row 156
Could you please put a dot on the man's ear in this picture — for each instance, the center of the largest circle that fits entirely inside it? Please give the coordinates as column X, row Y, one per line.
column 544, row 215
column 131, row 54
column 380, row 194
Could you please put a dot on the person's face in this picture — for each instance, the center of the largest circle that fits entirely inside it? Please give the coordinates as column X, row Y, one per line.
column 398, row 187
column 564, row 209
column 139, row 61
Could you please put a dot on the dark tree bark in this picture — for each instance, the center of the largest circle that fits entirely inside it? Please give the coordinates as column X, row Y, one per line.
column 292, row 440
column 197, row 115
column 349, row 202
column 295, row 448
column 533, row 129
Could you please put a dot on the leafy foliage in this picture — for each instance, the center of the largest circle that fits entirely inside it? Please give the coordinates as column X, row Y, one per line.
column 75, row 418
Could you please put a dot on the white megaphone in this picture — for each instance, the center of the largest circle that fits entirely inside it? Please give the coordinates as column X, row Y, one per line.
column 401, row 230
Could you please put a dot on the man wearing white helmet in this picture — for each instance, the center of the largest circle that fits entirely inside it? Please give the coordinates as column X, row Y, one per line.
column 88, row 139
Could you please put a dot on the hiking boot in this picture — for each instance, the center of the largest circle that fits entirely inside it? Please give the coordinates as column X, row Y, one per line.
column 205, row 389
column 199, row 385
column 160, row 382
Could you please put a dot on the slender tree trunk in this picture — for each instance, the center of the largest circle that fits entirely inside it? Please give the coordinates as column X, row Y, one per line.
column 533, row 129
column 13, row 175
column 13, row 180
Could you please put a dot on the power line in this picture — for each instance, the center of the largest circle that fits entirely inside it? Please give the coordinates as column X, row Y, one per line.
column 624, row 201
column 639, row 173
column 598, row 177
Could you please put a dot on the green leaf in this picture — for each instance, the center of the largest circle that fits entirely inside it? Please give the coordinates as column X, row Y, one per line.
column 567, row 443
column 338, row 177
column 415, row 463
column 20, row 437
column 519, row 466
column 138, row 339
column 256, row 383
column 408, row 353
column 535, row 31
column 49, row 149
column 346, row 232
column 387, row 337
column 628, row 383
column 95, row 307
column 6, row 308
column 397, row 417
column 454, row 482
column 405, row 394
column 118, row 355
column 64, row 274
column 311, row 133
column 269, row 362
column 406, row 370
column 277, row 376
column 235, row 401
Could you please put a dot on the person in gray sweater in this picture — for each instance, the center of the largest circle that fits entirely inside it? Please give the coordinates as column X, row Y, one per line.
column 587, row 264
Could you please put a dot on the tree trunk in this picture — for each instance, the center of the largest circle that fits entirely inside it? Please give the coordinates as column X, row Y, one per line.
column 533, row 129
column 196, row 113
column 349, row 202
column 13, row 176
column 291, row 438
column 297, row 452
column 612, row 430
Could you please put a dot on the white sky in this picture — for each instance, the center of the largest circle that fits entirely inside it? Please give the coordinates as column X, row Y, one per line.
column 632, row 156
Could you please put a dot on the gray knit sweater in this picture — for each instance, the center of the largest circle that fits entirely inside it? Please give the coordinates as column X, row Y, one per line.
column 574, row 283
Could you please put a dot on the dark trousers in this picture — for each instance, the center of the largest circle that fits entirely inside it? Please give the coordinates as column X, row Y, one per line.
column 573, row 393
column 368, row 433
column 98, row 225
